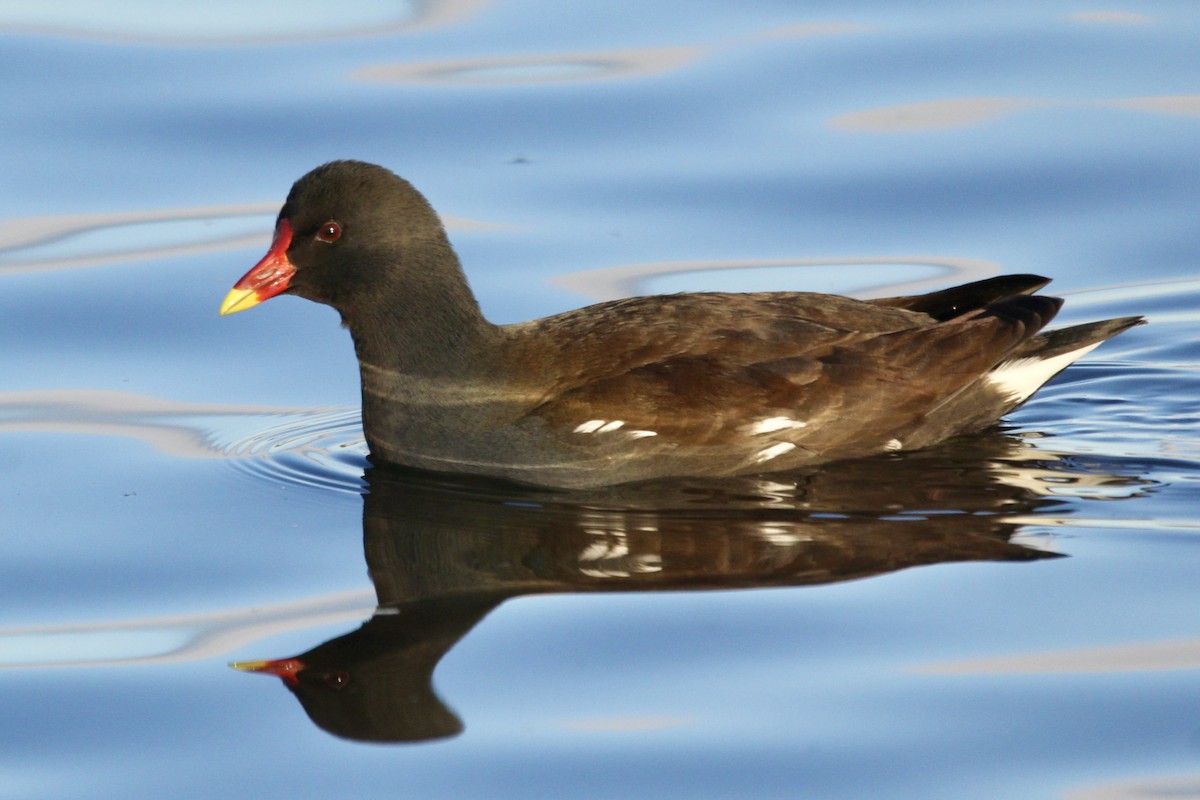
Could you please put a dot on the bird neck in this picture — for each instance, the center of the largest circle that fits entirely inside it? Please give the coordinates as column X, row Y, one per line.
column 431, row 327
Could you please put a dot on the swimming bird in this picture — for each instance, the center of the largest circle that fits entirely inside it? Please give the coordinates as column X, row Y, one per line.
column 692, row 384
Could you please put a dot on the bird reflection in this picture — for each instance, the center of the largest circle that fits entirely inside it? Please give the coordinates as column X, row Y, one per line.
column 443, row 552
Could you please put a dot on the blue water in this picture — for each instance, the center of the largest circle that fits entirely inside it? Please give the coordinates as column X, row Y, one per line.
column 183, row 491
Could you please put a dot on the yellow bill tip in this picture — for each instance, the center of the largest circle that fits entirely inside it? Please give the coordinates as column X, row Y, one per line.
column 239, row 300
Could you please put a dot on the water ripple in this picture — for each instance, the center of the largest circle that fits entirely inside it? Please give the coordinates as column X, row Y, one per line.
column 322, row 451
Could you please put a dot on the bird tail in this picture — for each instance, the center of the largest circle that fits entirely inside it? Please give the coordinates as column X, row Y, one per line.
column 1046, row 355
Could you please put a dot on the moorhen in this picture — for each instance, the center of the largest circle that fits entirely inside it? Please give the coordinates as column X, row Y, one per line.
column 696, row 384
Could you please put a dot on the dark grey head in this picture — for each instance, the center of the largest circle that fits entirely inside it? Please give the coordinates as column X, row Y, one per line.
column 358, row 230
column 356, row 237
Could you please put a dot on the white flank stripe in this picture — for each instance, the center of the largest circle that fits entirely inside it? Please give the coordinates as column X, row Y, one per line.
column 1021, row 377
column 591, row 426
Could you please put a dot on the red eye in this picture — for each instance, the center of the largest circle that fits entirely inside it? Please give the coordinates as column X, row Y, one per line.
column 330, row 232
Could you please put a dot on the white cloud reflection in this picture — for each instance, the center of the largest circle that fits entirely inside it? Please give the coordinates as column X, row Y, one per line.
column 178, row 429
column 1130, row 657
column 536, row 70
column 184, row 637
column 231, row 22
column 967, row 112
column 879, row 275
column 1110, row 18
column 69, row 241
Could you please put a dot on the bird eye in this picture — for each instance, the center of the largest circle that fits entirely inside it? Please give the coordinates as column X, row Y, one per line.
column 330, row 232
column 336, row 680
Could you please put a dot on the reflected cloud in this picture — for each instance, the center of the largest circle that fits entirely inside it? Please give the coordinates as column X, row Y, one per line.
column 1135, row 657
column 301, row 447
column 577, row 67
column 535, row 70
column 1110, row 18
column 229, row 22
column 967, row 112
column 72, row 241
column 1178, row 105
column 612, row 283
column 963, row 112
column 162, row 640
column 1161, row 787
column 36, row 244
column 183, row 430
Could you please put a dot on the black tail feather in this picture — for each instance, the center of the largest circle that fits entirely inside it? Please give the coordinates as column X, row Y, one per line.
column 1034, row 312
column 957, row 300
column 1066, row 340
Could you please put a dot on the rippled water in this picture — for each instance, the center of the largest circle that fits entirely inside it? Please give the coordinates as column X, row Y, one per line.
column 1009, row 616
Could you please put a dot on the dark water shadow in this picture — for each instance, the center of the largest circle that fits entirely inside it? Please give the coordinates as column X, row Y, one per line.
column 442, row 553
